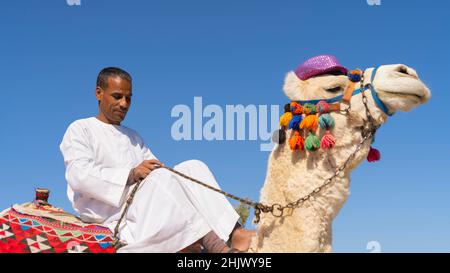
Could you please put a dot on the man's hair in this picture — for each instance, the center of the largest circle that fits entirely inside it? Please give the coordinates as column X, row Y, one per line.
column 102, row 78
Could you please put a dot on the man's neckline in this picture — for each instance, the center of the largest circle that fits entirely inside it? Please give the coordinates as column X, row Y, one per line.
column 106, row 124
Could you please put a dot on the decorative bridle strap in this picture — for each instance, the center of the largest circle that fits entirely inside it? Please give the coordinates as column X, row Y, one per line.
column 374, row 93
column 352, row 92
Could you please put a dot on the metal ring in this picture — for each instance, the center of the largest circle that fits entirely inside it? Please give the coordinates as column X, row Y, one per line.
column 278, row 207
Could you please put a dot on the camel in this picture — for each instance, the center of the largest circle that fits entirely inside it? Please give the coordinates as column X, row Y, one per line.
column 293, row 174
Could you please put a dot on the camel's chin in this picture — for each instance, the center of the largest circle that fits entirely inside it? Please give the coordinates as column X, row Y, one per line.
column 403, row 102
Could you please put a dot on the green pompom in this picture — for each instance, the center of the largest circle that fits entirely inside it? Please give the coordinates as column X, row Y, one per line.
column 309, row 108
column 326, row 121
column 312, row 142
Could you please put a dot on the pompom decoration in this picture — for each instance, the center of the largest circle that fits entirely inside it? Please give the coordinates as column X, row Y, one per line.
column 322, row 107
column 309, row 109
column 285, row 119
column 279, row 136
column 326, row 121
column 297, row 142
column 304, row 119
column 374, row 155
column 312, row 142
column 355, row 75
column 310, row 122
column 296, row 108
column 295, row 122
column 327, row 141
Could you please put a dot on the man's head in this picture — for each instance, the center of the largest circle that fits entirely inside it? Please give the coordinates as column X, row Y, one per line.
column 113, row 92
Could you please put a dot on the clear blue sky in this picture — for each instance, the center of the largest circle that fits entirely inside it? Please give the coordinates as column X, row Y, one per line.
column 230, row 52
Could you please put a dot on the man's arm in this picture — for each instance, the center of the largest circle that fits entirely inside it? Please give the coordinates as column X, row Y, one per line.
column 86, row 176
column 142, row 170
column 150, row 163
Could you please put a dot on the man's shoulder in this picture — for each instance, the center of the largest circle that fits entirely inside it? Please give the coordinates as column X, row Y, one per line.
column 80, row 123
column 76, row 130
column 87, row 124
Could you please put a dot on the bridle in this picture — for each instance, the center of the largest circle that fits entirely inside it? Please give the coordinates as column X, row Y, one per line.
column 351, row 91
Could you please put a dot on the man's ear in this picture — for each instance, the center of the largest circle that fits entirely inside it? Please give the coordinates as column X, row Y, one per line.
column 99, row 93
column 293, row 86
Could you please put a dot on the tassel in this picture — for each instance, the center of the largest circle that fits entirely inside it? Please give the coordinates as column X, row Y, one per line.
column 295, row 121
column 309, row 109
column 374, row 155
column 326, row 121
column 322, row 107
column 355, row 75
column 310, row 122
column 312, row 142
column 285, row 119
column 297, row 142
column 296, row 108
column 327, row 141
column 279, row 136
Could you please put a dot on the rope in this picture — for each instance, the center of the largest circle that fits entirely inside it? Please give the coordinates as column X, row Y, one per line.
column 276, row 210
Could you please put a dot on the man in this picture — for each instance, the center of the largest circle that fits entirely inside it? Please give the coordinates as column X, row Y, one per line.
column 104, row 159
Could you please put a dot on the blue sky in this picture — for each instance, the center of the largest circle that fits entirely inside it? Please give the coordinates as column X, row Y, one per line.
column 230, row 52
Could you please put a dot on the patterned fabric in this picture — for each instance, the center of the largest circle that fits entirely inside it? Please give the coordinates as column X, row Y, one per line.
column 34, row 233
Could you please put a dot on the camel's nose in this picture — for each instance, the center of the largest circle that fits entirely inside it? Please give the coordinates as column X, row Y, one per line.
column 421, row 89
column 406, row 71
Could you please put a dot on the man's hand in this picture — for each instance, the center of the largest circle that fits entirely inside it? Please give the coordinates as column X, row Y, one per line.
column 141, row 171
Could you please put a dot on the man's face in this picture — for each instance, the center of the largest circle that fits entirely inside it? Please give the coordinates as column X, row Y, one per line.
column 115, row 100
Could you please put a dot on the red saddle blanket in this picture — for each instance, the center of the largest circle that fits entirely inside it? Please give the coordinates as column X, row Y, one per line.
column 29, row 228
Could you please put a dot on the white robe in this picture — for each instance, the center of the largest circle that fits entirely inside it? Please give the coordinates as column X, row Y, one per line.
column 168, row 212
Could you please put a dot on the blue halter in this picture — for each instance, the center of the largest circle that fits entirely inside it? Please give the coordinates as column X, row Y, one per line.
column 375, row 97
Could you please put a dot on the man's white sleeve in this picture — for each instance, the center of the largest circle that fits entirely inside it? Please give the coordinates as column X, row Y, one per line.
column 86, row 176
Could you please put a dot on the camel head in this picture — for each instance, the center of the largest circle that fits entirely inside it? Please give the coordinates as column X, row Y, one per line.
column 296, row 169
column 398, row 87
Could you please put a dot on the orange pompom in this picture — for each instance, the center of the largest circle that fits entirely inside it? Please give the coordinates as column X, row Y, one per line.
column 296, row 108
column 297, row 142
column 310, row 122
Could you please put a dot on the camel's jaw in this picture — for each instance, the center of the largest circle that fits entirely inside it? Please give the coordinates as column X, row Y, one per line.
column 405, row 97
column 400, row 88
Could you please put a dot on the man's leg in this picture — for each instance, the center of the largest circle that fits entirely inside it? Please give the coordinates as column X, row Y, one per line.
column 214, row 205
column 161, row 217
column 215, row 208
column 241, row 238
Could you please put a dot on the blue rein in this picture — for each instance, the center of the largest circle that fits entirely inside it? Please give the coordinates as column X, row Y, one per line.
column 375, row 97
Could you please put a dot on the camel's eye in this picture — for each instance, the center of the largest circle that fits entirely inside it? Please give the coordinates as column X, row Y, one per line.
column 334, row 89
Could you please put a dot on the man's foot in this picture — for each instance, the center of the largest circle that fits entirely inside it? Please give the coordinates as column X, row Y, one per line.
column 241, row 239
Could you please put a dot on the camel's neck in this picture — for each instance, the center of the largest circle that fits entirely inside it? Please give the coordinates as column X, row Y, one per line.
column 299, row 172
column 292, row 175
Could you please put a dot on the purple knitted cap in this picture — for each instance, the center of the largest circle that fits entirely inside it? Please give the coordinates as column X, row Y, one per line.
column 319, row 65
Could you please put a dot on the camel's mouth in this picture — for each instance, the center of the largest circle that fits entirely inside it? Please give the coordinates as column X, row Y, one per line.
column 411, row 96
column 405, row 100
column 402, row 88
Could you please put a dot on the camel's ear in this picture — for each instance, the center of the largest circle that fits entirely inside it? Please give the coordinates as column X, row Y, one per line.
column 293, row 86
